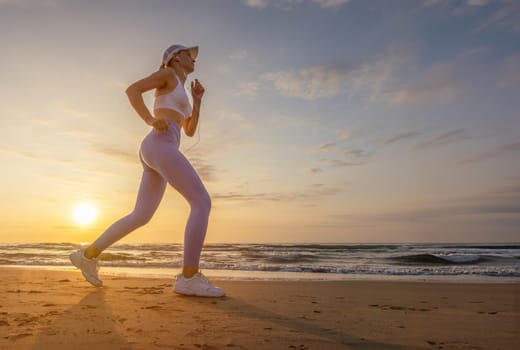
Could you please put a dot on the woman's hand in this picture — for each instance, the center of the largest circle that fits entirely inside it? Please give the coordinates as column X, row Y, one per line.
column 159, row 124
column 197, row 90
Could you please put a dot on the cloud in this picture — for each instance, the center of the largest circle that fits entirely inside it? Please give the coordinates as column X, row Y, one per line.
column 504, row 17
column 442, row 139
column 281, row 4
column 339, row 155
column 402, row 135
column 313, row 192
column 247, row 89
column 470, row 3
column 324, row 147
column 289, row 4
column 330, row 3
column 257, row 3
column 312, row 170
column 339, row 163
column 355, row 152
column 502, row 203
column 502, row 150
column 474, row 51
column 311, row 83
column 382, row 70
column 205, row 170
column 438, row 84
column 122, row 154
column 345, row 134
column 393, row 77
column 351, row 156
column 348, row 155
column 248, row 197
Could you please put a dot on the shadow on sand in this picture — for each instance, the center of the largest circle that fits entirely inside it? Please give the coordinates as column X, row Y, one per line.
column 232, row 305
column 86, row 325
column 91, row 324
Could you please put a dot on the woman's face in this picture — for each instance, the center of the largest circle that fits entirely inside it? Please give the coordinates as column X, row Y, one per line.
column 186, row 61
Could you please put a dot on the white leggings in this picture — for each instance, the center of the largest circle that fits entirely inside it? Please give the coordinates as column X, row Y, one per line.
column 164, row 163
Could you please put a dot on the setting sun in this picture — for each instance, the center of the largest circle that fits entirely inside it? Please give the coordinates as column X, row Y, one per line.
column 84, row 213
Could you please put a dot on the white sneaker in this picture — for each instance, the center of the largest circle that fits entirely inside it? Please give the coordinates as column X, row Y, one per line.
column 197, row 285
column 89, row 267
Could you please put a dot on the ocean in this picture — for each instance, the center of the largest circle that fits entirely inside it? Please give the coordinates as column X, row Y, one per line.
column 411, row 261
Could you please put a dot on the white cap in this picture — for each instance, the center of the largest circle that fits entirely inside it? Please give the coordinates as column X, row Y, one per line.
column 172, row 50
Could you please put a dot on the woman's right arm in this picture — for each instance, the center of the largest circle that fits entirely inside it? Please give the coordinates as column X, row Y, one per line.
column 135, row 94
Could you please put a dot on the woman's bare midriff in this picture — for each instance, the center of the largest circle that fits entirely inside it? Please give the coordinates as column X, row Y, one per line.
column 166, row 113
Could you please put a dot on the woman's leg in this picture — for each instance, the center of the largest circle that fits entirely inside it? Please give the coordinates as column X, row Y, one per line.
column 181, row 175
column 150, row 193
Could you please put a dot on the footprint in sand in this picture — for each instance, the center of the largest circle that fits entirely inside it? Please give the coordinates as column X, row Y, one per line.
column 19, row 336
column 153, row 307
column 152, row 290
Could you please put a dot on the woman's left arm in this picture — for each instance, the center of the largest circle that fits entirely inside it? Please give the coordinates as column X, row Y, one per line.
column 197, row 91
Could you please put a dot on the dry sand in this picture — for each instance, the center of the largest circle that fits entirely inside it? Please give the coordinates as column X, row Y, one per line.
column 42, row 309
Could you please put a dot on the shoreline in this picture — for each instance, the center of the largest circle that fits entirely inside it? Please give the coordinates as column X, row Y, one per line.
column 242, row 275
column 46, row 309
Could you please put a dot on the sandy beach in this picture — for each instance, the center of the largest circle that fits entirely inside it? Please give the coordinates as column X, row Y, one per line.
column 43, row 309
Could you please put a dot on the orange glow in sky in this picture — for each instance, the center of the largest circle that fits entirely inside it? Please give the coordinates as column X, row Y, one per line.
column 322, row 121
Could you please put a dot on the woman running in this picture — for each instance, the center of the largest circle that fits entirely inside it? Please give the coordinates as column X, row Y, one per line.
column 164, row 163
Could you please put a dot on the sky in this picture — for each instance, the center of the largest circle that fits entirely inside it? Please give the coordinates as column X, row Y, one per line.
column 323, row 121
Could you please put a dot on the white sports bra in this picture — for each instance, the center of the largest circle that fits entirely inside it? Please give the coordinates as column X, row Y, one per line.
column 177, row 100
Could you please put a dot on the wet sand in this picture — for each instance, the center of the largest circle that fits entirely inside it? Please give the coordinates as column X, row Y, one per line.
column 42, row 309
